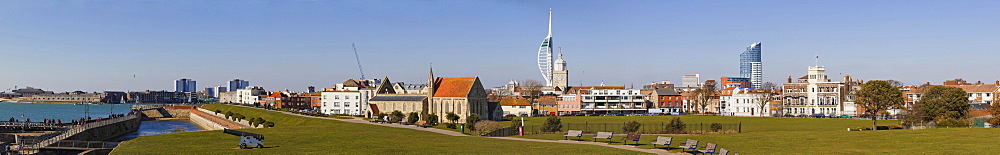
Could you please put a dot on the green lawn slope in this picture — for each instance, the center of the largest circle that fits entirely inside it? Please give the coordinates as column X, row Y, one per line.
column 809, row 136
column 302, row 135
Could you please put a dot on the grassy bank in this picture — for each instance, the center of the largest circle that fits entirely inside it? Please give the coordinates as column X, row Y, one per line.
column 301, row 135
column 811, row 136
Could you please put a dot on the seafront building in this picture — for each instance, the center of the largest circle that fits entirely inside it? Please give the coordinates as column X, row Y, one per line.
column 815, row 94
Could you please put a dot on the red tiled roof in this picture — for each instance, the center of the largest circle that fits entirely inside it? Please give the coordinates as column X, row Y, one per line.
column 454, row 86
column 547, row 100
column 277, row 94
column 513, row 101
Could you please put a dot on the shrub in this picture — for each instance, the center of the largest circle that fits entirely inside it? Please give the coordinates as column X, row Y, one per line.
column 552, row 124
column 471, row 121
column 269, row 124
column 229, row 114
column 431, row 119
column 217, row 111
column 451, row 125
column 676, row 126
column 631, row 127
column 259, row 121
column 485, row 127
column 950, row 123
column 895, row 127
column 413, row 118
column 715, row 127
column 508, row 117
column 515, row 123
column 253, row 122
column 452, row 117
column 396, row 116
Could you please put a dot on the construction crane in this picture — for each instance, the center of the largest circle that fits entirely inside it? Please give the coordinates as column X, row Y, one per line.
column 356, row 57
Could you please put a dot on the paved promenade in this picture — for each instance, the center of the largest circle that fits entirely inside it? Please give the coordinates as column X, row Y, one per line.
column 453, row 133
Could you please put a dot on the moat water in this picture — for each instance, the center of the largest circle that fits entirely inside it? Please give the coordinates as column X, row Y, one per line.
column 39, row 111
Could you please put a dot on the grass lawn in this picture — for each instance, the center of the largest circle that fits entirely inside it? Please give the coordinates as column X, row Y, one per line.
column 809, row 136
column 301, row 135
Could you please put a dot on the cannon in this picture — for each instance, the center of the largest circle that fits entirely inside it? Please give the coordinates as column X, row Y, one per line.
column 247, row 139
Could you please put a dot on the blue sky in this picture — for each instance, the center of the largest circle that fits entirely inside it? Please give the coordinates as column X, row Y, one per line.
column 100, row 45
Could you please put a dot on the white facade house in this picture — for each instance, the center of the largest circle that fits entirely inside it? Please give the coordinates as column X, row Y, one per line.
column 603, row 101
column 742, row 102
column 346, row 102
column 248, row 96
column 815, row 94
column 516, row 107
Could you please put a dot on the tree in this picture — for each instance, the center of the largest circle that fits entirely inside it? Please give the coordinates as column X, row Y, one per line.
column 943, row 102
column 471, row 120
column 413, row 118
column 452, row 117
column 552, row 124
column 486, row 127
column 995, row 111
column 396, row 116
column 531, row 89
column 676, row 125
column 705, row 94
column 515, row 123
column 431, row 119
column 913, row 115
column 895, row 83
column 631, row 127
column 763, row 96
column 877, row 96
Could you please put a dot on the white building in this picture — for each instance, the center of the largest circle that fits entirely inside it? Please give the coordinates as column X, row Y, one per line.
column 691, row 80
column 604, row 101
column 742, row 102
column 347, row 102
column 516, row 107
column 814, row 94
column 248, row 96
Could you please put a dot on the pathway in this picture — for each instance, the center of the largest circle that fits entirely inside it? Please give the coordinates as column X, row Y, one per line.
column 453, row 133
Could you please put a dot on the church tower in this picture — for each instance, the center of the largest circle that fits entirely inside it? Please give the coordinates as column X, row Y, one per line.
column 560, row 75
column 430, row 93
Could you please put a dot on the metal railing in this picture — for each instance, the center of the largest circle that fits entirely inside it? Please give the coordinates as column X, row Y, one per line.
column 86, row 144
column 36, row 142
column 648, row 128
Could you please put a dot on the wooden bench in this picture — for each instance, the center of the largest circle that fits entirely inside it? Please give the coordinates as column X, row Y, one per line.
column 689, row 144
column 662, row 141
column 709, row 148
column 723, row 151
column 573, row 133
column 631, row 137
column 604, row 135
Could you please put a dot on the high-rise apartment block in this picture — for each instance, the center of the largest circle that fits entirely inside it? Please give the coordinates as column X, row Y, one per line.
column 750, row 65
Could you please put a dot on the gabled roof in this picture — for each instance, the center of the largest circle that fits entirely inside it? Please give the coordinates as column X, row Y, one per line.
column 976, row 88
column 454, row 86
column 548, row 100
column 514, row 102
column 398, row 98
